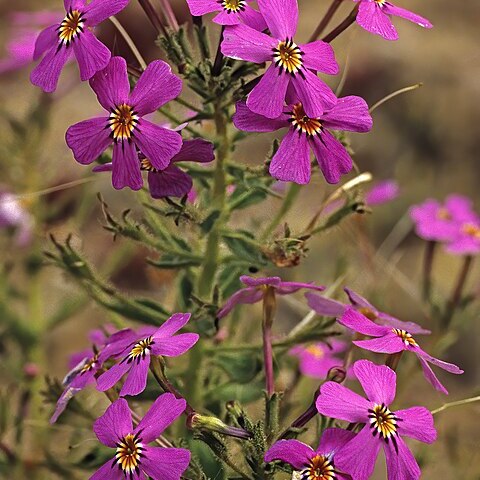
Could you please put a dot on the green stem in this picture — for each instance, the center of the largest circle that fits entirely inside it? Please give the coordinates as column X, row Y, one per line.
column 427, row 269
column 458, row 403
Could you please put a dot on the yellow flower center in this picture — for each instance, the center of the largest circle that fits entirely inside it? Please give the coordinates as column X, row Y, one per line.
column 90, row 364
column 288, row 56
column 122, row 122
column 369, row 313
column 129, row 453
column 140, row 350
column 233, row 6
column 405, row 336
column 304, row 124
column 71, row 27
column 383, row 422
column 471, row 230
column 145, row 164
column 443, row 214
column 320, row 468
column 315, row 350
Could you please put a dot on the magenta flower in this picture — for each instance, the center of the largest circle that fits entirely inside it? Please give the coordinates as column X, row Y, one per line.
column 292, row 64
column 125, row 125
column 374, row 16
column 382, row 192
column 134, row 458
column 393, row 340
column 313, row 464
column 383, row 427
column 73, row 34
column 172, row 181
column 332, row 308
column 135, row 354
column 466, row 240
column 317, row 359
column 291, row 162
column 440, row 223
column 14, row 216
column 255, row 288
column 232, row 12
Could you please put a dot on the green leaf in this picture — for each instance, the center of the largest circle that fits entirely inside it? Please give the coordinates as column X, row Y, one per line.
column 240, row 367
column 244, row 246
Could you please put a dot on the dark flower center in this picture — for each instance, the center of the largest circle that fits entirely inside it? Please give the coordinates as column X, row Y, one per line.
column 90, row 364
column 302, row 123
column 140, row 350
column 383, row 422
column 288, row 56
column 320, row 468
column 471, row 230
column 71, row 27
column 405, row 336
column 129, row 454
column 122, row 122
column 145, row 164
column 233, row 6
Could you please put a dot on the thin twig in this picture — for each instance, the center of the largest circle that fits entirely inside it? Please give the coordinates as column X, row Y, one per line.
column 393, row 95
column 129, row 42
column 325, row 20
column 458, row 403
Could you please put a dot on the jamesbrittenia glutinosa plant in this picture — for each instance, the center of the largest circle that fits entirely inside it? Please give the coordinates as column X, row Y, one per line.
column 209, row 384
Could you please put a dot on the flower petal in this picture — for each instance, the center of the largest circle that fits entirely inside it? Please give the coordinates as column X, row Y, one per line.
column 114, row 424
column 136, row 380
column 357, row 300
column 202, row 7
column 126, row 167
column 410, row 327
column 106, row 472
column 175, row 346
column 260, row 281
column 417, row 423
column 244, row 43
column 88, row 139
column 359, row 456
column 431, row 377
column 157, row 86
column 268, row 96
column 195, row 150
column 286, row 288
column 165, row 463
column 333, row 439
column 227, row 18
column 281, row 17
column 390, row 343
column 112, row 376
column 62, row 402
column 401, row 463
column 111, row 84
column 378, row 381
column 332, row 157
column 158, row 144
column 99, row 10
column 92, row 55
column 291, row 162
column 175, row 323
column 324, row 306
column 242, row 296
column 293, row 452
column 449, row 367
column 350, row 113
column 248, row 121
column 319, row 56
column 171, row 182
column 337, row 401
column 253, row 18
column 47, row 39
column 401, row 12
column 46, row 74
column 359, row 323
column 371, row 17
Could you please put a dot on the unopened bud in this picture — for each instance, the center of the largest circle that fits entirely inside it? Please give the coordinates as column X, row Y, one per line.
column 337, row 374
column 214, row 424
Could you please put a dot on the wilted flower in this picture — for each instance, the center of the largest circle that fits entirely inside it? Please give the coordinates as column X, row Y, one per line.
column 13, row 215
column 134, row 354
column 291, row 162
column 383, row 426
column 255, row 289
column 232, row 12
column 126, row 126
column 134, row 458
column 292, row 64
column 313, row 464
column 374, row 16
column 73, row 35
column 382, row 192
column 393, row 340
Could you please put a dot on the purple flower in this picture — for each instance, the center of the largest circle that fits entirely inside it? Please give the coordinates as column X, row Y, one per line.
column 383, row 427
column 125, row 125
column 332, row 308
column 172, row 181
column 436, row 222
column 466, row 240
column 134, row 458
column 73, row 33
column 309, row 463
column 135, row 354
column 13, row 215
column 255, row 288
column 232, row 12
column 292, row 64
column 317, row 359
column 374, row 16
column 393, row 340
column 382, row 192
column 291, row 162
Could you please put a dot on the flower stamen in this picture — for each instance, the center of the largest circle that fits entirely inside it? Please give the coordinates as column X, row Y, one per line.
column 320, row 468
column 302, row 123
column 123, row 121
column 140, row 350
column 71, row 27
column 471, row 230
column 233, row 6
column 288, row 56
column 129, row 454
column 405, row 336
column 383, row 422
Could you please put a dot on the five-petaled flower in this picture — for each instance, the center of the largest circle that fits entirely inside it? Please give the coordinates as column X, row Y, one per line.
column 134, row 353
column 231, row 12
column 134, row 458
column 394, row 340
column 125, row 125
column 292, row 65
column 57, row 42
column 383, row 426
column 291, row 162
column 374, row 16
column 255, row 290
column 312, row 464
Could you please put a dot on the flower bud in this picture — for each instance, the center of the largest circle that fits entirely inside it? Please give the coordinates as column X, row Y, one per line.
column 337, row 374
column 197, row 421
